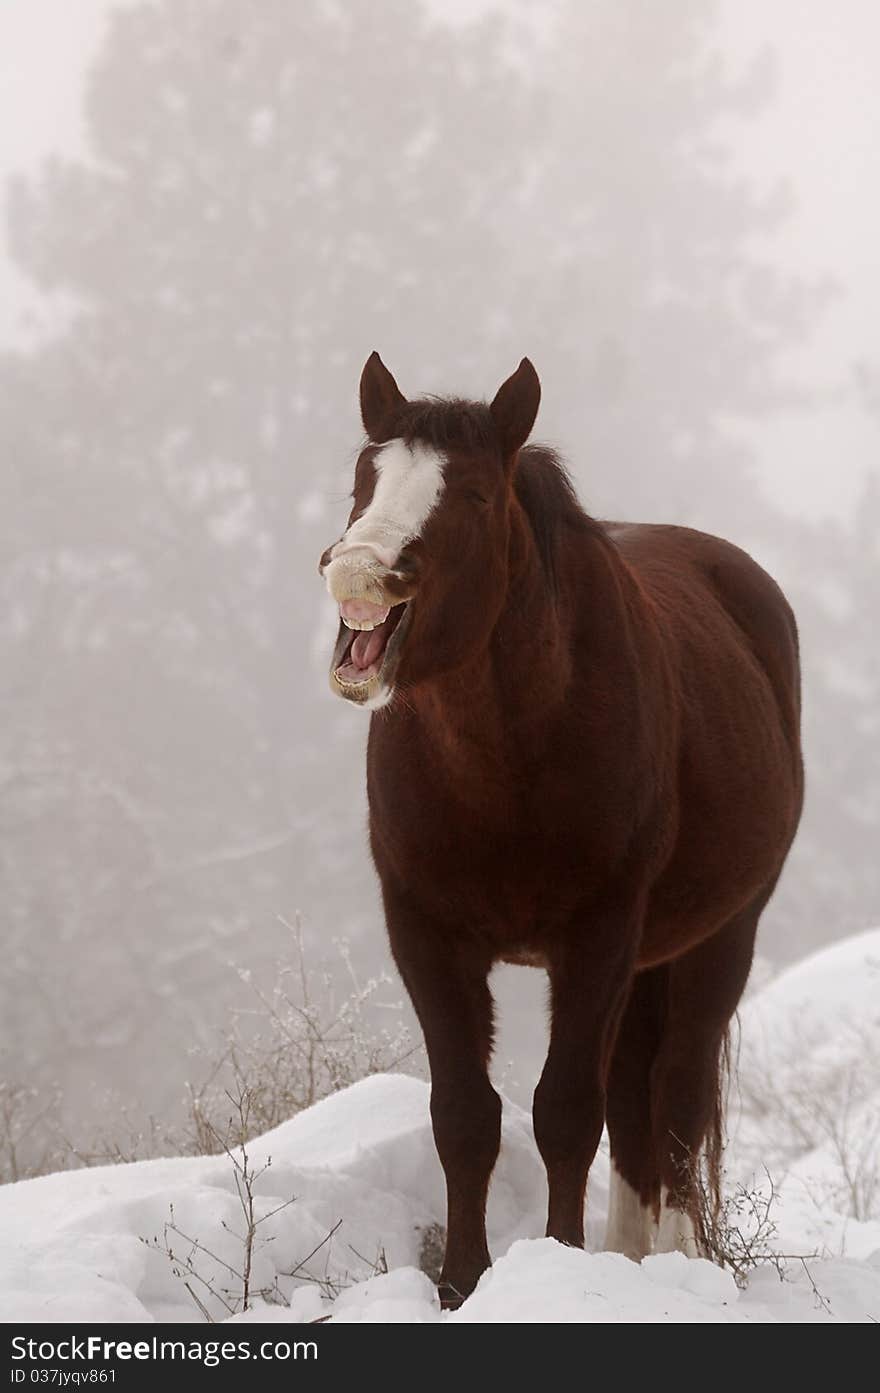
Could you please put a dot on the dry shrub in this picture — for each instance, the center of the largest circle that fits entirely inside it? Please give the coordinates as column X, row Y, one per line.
column 304, row 1040
column 316, row 1031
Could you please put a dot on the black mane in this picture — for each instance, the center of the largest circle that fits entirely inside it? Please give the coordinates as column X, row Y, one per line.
column 541, row 481
column 545, row 490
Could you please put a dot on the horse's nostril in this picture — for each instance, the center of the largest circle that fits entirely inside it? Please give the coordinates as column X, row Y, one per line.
column 325, row 560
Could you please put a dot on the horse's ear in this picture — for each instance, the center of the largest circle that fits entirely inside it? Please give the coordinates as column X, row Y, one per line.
column 380, row 398
column 515, row 408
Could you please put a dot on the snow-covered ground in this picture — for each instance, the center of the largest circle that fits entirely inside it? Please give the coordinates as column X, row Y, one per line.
column 808, row 1104
column 74, row 1244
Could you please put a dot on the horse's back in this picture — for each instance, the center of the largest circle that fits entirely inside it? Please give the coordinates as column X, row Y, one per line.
column 732, row 644
column 678, row 564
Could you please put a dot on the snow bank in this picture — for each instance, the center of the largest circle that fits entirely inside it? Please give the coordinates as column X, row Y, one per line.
column 807, row 1102
column 542, row 1282
column 364, row 1160
column 814, row 1011
column 73, row 1242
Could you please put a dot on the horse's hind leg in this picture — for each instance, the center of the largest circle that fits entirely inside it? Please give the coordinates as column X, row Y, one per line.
column 704, row 988
column 634, row 1195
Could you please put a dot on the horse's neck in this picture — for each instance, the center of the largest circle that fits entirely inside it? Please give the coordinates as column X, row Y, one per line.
column 514, row 693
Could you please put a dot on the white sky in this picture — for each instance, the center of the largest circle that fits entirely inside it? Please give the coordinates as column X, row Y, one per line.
column 822, row 135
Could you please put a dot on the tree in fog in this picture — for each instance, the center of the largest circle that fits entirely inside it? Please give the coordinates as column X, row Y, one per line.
column 268, row 184
column 275, row 190
column 647, row 295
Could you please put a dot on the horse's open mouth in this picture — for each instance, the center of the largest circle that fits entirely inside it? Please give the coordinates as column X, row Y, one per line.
column 366, row 658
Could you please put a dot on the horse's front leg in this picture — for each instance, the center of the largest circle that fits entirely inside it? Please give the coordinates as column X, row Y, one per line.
column 589, row 978
column 448, row 987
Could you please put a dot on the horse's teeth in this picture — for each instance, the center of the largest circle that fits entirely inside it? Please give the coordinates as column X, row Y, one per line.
column 363, row 625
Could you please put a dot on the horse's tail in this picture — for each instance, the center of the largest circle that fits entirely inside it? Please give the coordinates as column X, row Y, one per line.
column 710, row 1168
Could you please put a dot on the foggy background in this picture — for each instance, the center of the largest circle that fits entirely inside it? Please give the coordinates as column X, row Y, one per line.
column 214, row 211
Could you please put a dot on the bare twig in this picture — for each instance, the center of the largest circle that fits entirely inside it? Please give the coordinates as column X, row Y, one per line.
column 245, row 1178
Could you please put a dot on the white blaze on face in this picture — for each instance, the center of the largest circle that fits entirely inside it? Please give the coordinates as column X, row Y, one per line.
column 409, row 481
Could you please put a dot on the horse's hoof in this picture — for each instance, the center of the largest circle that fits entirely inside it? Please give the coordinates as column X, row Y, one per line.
column 450, row 1297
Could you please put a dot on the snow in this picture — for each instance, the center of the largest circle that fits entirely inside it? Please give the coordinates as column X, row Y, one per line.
column 819, row 1000
column 809, row 1097
column 364, row 1160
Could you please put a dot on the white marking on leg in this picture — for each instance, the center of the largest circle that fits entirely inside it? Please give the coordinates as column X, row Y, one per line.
column 409, row 481
column 630, row 1223
column 676, row 1232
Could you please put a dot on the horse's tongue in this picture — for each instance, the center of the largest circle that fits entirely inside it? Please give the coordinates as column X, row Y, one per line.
column 367, row 646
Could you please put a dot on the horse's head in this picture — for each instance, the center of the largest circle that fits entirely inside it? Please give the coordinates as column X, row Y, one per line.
column 420, row 572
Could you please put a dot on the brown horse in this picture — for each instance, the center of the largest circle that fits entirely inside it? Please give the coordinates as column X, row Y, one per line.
column 585, row 758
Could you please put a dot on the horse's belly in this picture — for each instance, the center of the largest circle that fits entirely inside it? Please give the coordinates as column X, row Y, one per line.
column 720, row 866
column 667, row 937
column 513, row 891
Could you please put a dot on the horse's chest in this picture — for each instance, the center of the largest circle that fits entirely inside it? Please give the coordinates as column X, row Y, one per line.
column 508, row 859
column 512, row 847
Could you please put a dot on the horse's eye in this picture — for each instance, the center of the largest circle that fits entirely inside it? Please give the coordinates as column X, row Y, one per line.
column 475, row 496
